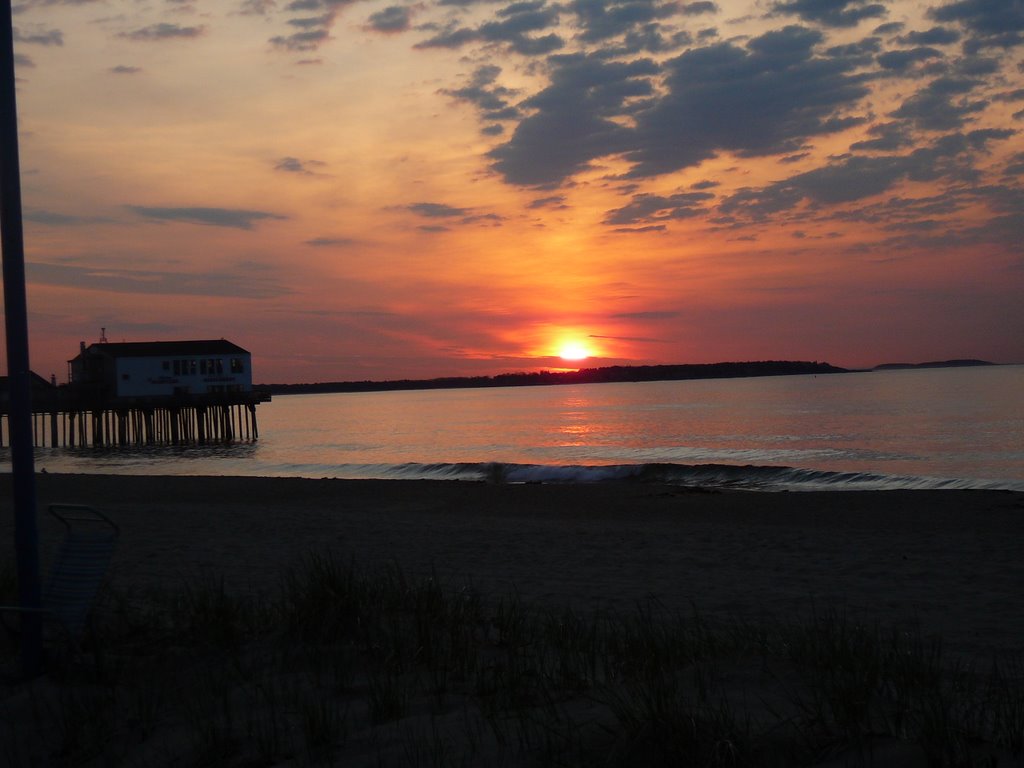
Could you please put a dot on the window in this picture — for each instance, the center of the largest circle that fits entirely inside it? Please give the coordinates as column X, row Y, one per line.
column 177, row 367
column 237, row 366
column 167, row 365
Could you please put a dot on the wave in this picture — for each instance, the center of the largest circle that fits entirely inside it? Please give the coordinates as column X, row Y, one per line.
column 750, row 477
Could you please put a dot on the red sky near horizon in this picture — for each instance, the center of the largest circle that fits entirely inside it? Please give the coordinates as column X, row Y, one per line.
column 374, row 190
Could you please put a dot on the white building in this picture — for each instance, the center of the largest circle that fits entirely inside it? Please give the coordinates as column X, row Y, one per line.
column 161, row 368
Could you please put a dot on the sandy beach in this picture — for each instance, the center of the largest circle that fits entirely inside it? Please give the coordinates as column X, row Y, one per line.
column 336, row 669
column 946, row 561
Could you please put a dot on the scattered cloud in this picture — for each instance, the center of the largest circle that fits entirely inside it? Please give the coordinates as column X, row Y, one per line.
column 942, row 105
column 648, row 208
column 832, row 13
column 36, row 35
column 301, row 167
column 239, row 284
column 331, row 242
column 571, row 122
column 992, row 23
column 769, row 97
column 640, row 230
column 698, row 8
column 123, row 69
column 54, row 219
column 436, row 210
column 553, row 201
column 902, row 60
column 515, row 25
column 933, row 36
column 482, row 91
column 163, row 31
column 394, row 18
column 215, row 217
column 257, row 7
column 858, row 177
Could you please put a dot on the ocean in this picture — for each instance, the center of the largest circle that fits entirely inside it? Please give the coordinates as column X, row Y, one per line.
column 919, row 428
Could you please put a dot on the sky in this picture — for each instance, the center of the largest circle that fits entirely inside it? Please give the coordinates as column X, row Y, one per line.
column 364, row 189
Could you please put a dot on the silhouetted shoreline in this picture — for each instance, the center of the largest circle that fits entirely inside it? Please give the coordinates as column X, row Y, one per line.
column 935, row 364
column 611, row 374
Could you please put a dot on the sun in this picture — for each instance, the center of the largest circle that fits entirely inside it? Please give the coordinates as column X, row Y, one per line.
column 573, row 350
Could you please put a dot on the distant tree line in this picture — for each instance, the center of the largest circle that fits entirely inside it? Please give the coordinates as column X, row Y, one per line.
column 615, row 373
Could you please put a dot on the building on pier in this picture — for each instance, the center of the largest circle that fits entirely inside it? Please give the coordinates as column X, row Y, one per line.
column 161, row 368
column 146, row 393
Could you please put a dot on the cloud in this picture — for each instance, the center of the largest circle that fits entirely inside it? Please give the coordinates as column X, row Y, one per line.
column 639, row 230
column 933, row 36
column 53, row 219
column 832, row 13
column 394, row 18
column 553, row 201
column 769, row 98
column 295, row 165
column 123, row 69
column 888, row 138
column 571, row 125
column 313, row 19
column 902, row 60
column 29, row 4
column 39, row 36
column 242, row 283
column 648, row 315
column 605, row 19
column 490, row 99
column 215, row 217
column 436, row 210
column 890, row 28
column 933, row 107
column 513, row 27
column 331, row 242
column 256, row 7
column 163, row 31
column 997, row 23
column 698, row 8
column 301, row 41
column 23, row 61
column 856, row 177
column 1014, row 95
column 648, row 208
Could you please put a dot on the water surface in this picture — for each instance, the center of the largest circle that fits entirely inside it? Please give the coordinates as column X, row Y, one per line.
column 951, row 427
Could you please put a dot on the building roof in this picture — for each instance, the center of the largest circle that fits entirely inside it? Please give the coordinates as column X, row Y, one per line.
column 36, row 381
column 165, row 348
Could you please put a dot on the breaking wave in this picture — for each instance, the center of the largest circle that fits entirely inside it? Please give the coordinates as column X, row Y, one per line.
column 767, row 478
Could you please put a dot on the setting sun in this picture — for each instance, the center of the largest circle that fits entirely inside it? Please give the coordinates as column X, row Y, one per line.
column 573, row 350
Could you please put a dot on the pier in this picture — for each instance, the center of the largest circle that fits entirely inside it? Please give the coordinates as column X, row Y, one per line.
column 62, row 419
column 144, row 393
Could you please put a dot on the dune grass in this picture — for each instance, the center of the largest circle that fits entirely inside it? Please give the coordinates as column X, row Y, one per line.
column 341, row 666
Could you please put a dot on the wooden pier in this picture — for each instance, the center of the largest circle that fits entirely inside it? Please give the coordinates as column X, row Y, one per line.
column 62, row 418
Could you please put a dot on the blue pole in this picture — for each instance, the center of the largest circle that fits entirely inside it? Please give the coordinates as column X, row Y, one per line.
column 26, row 534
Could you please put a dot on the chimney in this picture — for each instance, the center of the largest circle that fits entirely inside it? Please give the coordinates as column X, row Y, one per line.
column 81, row 346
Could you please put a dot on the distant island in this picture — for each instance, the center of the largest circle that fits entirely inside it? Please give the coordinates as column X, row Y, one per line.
column 935, row 364
column 611, row 374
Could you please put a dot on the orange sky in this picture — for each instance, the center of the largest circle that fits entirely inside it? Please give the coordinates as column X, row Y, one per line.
column 357, row 190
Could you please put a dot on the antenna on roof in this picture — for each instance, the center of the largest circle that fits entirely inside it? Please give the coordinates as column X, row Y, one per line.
column 103, row 335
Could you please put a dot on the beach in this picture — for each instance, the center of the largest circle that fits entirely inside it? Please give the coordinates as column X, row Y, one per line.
column 945, row 562
column 294, row 622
